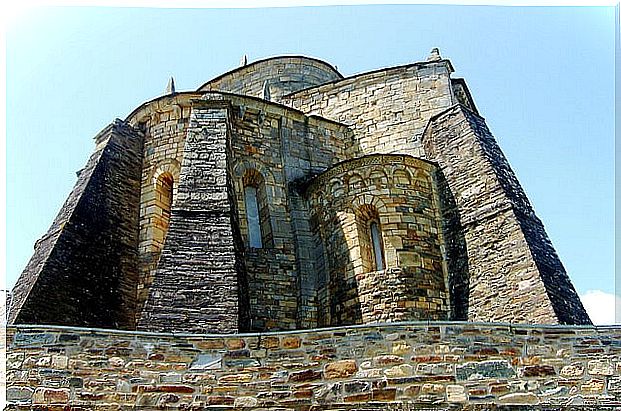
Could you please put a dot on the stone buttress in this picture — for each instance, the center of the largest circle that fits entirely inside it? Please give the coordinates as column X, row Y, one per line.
column 196, row 284
column 84, row 270
column 510, row 272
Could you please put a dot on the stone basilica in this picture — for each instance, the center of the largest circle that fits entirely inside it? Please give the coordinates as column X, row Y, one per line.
column 282, row 195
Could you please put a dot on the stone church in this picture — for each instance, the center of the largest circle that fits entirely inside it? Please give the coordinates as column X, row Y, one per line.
column 282, row 195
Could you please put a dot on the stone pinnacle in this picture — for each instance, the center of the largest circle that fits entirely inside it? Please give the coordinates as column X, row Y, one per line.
column 170, row 88
column 434, row 55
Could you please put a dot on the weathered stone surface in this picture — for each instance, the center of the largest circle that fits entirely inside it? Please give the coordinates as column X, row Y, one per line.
column 50, row 396
column 600, row 367
column 33, row 339
column 304, row 376
column 207, row 296
column 340, row 369
column 482, row 201
column 402, row 370
column 483, row 370
column 19, row 394
column 573, row 371
column 230, row 374
column 538, row 371
column 387, row 360
column 519, row 398
column 291, row 342
column 284, row 74
column 85, row 269
column 456, row 393
column 593, row 386
column 207, row 361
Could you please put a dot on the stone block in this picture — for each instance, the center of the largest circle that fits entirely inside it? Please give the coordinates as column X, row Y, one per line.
column 600, row 367
column 43, row 395
column 484, row 370
column 519, row 398
column 456, row 394
column 19, row 394
column 572, row 371
column 340, row 369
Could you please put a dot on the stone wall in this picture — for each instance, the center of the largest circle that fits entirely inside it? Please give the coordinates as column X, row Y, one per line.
column 387, row 109
column 196, row 283
column 280, row 75
column 84, row 270
column 514, row 275
column 404, row 366
column 397, row 193
column 281, row 148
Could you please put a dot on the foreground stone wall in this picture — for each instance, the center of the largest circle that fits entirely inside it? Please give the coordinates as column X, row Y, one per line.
column 400, row 366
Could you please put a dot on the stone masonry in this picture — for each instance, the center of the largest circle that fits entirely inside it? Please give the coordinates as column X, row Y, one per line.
column 405, row 366
column 284, row 196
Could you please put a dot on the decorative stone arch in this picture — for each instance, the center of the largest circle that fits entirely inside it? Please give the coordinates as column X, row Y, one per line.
column 336, row 188
column 242, row 166
column 401, row 176
column 169, row 166
column 376, row 173
column 353, row 180
column 368, row 199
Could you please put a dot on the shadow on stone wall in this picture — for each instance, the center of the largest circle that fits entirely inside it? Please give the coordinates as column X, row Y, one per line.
column 456, row 252
column 341, row 288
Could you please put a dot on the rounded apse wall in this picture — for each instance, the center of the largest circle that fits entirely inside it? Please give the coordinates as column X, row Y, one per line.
column 378, row 241
column 280, row 75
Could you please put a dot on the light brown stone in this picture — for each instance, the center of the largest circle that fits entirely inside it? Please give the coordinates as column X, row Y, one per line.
column 340, row 369
column 402, row 370
column 291, row 342
column 519, row 398
column 44, row 395
column 456, row 393
column 572, row 371
column 600, row 367
column 593, row 386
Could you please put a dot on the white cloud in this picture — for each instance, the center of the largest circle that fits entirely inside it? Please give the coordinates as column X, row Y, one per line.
column 600, row 306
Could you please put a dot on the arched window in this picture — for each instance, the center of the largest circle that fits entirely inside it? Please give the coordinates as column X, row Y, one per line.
column 378, row 246
column 370, row 239
column 252, row 217
column 259, row 227
column 163, row 201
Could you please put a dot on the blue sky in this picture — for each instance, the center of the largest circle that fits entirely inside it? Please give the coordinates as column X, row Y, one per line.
column 543, row 77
